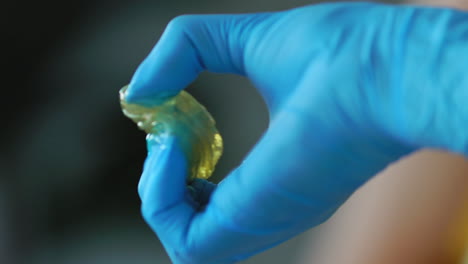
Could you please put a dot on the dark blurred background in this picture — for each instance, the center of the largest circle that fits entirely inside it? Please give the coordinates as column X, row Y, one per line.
column 70, row 161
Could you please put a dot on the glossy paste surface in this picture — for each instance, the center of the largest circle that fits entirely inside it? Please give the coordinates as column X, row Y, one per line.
column 188, row 120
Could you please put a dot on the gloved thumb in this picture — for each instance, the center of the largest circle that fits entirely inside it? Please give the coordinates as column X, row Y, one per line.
column 168, row 204
column 162, row 187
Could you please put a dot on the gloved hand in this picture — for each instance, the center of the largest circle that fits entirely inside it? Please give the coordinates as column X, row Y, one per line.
column 350, row 87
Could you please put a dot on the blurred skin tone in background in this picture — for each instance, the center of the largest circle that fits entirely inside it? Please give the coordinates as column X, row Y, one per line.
column 407, row 214
column 70, row 161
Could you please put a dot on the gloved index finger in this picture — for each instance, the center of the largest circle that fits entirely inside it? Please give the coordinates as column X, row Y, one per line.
column 189, row 45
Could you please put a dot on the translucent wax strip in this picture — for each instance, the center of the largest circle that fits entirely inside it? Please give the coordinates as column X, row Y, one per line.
column 186, row 119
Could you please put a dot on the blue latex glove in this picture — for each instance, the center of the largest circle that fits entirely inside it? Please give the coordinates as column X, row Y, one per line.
column 351, row 87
